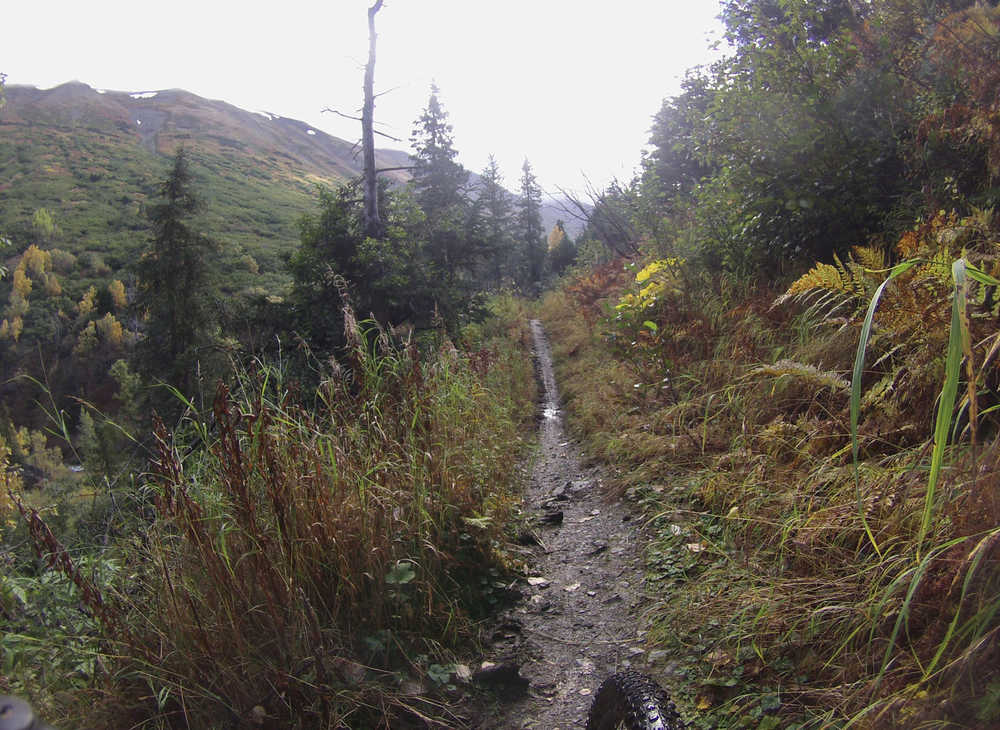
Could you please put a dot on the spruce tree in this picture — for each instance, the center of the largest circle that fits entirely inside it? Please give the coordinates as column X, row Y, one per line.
column 495, row 223
column 530, row 234
column 438, row 180
column 438, row 184
column 177, row 286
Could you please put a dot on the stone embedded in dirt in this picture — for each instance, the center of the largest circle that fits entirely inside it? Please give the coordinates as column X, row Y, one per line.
column 675, row 668
column 548, row 689
column 412, row 688
column 351, row 672
column 559, row 493
column 539, row 603
column 538, row 581
column 635, row 651
column 462, row 673
column 510, row 627
column 599, row 547
column 504, row 678
column 571, row 587
column 658, row 655
column 552, row 518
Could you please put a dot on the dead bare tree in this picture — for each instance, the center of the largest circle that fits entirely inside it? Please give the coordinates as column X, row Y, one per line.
column 606, row 218
column 372, row 220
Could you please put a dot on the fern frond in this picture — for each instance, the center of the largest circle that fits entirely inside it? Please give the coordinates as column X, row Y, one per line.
column 881, row 391
column 810, row 374
column 851, row 277
column 908, row 245
column 870, row 257
column 821, row 276
column 936, row 271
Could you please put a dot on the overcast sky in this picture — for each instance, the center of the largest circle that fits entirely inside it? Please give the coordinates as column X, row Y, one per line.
column 569, row 84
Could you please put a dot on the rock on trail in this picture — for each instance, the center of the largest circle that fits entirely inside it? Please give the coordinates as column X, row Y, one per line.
column 580, row 617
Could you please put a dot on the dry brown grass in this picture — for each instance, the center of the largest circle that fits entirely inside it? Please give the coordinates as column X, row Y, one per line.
column 787, row 606
column 311, row 562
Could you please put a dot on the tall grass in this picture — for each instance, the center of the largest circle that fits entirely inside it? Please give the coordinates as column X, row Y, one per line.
column 822, row 559
column 314, row 560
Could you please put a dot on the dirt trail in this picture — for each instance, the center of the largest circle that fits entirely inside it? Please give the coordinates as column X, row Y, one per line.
column 579, row 619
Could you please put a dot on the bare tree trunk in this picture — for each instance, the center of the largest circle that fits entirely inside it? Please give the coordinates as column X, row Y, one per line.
column 372, row 221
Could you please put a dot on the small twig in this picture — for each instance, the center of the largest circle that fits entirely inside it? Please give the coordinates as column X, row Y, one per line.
column 358, row 119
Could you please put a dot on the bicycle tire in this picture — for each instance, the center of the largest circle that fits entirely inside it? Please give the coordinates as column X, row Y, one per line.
column 632, row 701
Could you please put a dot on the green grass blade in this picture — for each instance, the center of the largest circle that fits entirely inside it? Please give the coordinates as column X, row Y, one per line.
column 859, row 362
column 981, row 276
column 946, row 403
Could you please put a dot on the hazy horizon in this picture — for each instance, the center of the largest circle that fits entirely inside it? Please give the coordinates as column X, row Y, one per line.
column 528, row 80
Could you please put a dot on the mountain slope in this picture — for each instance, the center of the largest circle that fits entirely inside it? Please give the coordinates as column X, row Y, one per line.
column 94, row 158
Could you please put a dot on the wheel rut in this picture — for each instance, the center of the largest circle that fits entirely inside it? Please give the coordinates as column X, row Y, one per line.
column 580, row 616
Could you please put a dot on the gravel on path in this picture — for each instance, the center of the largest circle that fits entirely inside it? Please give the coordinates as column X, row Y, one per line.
column 580, row 617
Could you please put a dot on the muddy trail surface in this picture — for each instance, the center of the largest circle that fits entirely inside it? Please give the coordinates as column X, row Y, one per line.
column 579, row 619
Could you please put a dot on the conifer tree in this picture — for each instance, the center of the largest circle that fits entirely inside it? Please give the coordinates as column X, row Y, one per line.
column 176, row 285
column 438, row 184
column 530, row 234
column 438, row 180
column 495, row 222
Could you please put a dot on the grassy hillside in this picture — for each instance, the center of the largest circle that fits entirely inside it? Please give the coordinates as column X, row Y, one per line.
column 92, row 158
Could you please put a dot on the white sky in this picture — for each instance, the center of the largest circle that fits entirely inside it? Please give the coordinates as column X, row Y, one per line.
column 570, row 84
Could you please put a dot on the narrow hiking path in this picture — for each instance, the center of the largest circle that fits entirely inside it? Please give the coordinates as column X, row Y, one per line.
column 580, row 617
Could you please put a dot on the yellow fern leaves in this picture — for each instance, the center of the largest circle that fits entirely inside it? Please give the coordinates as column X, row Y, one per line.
column 934, row 243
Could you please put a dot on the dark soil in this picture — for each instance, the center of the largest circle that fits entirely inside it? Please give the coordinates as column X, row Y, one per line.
column 580, row 618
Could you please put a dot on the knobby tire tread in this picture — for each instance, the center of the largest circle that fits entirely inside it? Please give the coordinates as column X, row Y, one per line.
column 633, row 701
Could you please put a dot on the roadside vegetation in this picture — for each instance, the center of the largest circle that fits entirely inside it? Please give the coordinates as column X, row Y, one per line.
column 786, row 348
column 312, row 557
column 277, row 513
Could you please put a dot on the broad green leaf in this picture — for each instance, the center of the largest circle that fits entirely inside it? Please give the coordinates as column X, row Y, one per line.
column 401, row 573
